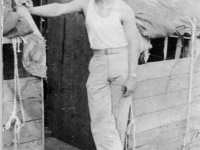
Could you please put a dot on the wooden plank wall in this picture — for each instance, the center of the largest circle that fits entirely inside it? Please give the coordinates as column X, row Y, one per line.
column 31, row 89
column 160, row 105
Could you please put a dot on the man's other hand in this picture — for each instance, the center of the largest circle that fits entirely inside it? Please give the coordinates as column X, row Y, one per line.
column 129, row 86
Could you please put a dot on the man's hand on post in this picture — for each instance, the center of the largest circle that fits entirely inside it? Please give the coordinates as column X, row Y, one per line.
column 29, row 5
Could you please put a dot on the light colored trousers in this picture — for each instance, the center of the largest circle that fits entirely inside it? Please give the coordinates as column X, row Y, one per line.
column 108, row 109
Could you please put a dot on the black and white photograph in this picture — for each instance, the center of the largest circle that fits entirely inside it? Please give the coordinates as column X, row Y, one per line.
column 100, row 75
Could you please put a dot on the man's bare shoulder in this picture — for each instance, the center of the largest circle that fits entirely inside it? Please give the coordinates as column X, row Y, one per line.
column 81, row 3
column 126, row 10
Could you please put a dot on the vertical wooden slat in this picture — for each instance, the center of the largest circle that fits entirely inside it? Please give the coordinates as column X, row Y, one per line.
column 43, row 127
column 197, row 47
column 41, row 20
column 42, row 92
column 179, row 47
column 166, row 47
column 1, row 76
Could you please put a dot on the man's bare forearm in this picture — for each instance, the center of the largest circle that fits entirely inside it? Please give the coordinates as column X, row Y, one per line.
column 130, row 29
column 50, row 10
column 133, row 59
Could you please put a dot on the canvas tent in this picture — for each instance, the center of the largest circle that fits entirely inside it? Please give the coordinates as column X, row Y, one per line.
column 160, row 18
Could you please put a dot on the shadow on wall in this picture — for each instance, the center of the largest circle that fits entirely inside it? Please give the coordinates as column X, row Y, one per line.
column 54, row 144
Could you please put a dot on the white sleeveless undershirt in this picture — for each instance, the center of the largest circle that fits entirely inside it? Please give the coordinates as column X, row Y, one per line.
column 106, row 32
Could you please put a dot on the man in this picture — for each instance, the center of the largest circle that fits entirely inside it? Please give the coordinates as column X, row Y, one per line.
column 112, row 34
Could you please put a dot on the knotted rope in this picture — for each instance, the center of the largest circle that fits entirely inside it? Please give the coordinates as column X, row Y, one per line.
column 17, row 94
column 131, row 130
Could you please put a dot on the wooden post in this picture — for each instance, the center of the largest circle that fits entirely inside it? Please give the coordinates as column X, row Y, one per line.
column 42, row 85
column 24, row 12
column 179, row 47
column 41, row 19
column 1, row 78
column 165, row 47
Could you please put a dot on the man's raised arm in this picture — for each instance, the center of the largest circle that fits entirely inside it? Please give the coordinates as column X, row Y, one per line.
column 55, row 9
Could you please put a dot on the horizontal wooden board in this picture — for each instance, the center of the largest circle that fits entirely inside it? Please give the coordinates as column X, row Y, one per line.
column 165, row 133
column 34, row 145
column 162, row 69
column 32, row 110
column 165, row 117
column 165, row 101
column 30, row 88
column 30, row 132
column 172, row 144
column 8, row 41
column 161, row 86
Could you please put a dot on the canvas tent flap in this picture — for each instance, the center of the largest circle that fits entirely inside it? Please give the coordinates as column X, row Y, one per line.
column 160, row 18
column 21, row 24
column 35, row 47
column 150, row 27
column 9, row 22
column 7, row 4
column 14, row 24
column 34, row 52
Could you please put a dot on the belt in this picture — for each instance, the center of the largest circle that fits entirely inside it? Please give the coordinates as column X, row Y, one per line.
column 109, row 51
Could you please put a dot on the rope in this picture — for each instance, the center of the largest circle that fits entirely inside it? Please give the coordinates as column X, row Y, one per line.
column 187, row 131
column 131, row 129
column 17, row 92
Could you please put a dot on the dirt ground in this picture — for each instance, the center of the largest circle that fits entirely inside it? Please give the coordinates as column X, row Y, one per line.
column 55, row 144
